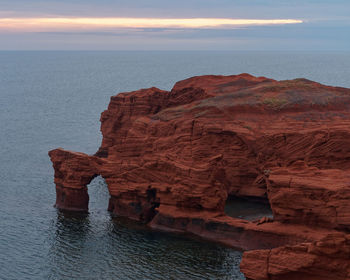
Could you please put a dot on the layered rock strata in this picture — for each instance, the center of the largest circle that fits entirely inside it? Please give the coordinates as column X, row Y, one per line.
column 172, row 158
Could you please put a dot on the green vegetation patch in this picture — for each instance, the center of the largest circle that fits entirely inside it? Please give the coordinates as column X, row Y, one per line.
column 274, row 102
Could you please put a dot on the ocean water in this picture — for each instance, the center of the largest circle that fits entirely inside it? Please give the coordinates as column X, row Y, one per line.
column 54, row 99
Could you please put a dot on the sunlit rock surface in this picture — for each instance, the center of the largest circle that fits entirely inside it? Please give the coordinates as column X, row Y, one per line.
column 171, row 159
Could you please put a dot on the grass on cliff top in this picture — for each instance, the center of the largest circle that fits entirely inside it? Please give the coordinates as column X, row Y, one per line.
column 275, row 102
column 275, row 95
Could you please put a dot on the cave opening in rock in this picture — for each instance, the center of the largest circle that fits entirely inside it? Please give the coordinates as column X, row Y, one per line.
column 248, row 208
column 98, row 194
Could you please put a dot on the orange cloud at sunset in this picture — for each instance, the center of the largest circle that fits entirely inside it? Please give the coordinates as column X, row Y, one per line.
column 71, row 23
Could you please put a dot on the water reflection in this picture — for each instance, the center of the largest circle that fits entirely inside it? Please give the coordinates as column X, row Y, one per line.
column 88, row 247
column 177, row 255
column 69, row 223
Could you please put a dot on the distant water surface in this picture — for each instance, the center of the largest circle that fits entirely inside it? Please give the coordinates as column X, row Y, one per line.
column 54, row 99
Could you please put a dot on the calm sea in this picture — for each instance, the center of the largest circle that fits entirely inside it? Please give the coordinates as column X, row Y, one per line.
column 54, row 99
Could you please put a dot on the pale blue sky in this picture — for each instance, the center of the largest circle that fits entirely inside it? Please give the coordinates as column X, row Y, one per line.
column 326, row 25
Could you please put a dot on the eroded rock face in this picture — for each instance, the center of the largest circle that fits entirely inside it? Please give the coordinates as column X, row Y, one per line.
column 325, row 259
column 171, row 159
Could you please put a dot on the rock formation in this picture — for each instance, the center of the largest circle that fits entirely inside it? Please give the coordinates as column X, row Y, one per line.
column 172, row 158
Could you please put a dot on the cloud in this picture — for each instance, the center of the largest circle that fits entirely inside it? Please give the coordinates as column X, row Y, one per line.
column 74, row 23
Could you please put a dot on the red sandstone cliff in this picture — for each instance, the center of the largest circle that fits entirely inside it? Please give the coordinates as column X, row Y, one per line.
column 171, row 159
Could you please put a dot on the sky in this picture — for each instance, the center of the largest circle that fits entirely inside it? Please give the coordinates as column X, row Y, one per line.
column 272, row 25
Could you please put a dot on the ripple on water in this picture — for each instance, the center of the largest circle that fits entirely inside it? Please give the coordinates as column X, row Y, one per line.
column 97, row 246
column 120, row 249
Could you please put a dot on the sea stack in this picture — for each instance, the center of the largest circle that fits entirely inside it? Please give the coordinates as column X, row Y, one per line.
column 171, row 159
